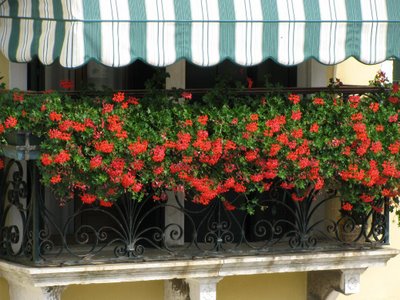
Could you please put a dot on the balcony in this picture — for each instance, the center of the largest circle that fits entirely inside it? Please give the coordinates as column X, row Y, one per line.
column 50, row 243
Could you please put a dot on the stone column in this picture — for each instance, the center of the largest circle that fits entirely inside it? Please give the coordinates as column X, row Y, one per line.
column 173, row 216
column 175, row 219
column 177, row 73
column 203, row 288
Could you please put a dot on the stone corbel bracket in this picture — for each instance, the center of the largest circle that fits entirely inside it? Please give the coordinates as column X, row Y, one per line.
column 329, row 284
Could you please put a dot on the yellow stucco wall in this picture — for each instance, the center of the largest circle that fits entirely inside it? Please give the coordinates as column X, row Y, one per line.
column 263, row 287
column 149, row 290
column 4, row 65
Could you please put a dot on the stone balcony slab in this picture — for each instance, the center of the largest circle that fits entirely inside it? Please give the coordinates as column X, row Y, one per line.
column 196, row 268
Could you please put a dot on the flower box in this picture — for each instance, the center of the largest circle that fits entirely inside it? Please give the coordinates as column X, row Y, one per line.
column 98, row 148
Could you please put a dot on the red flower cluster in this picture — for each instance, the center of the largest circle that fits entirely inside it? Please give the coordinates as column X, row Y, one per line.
column 126, row 147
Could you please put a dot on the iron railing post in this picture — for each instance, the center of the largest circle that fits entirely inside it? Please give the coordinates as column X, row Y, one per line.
column 386, row 212
column 35, row 206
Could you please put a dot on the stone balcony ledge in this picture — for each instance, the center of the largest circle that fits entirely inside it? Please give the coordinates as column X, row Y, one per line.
column 199, row 268
column 331, row 272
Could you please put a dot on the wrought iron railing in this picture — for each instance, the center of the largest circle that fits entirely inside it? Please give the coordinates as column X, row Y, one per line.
column 35, row 230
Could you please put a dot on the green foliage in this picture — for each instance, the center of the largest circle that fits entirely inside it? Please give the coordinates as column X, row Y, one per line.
column 99, row 147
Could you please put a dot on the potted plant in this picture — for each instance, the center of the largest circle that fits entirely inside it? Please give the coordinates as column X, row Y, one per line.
column 23, row 121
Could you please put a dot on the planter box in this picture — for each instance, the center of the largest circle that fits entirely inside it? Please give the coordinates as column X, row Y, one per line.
column 22, row 146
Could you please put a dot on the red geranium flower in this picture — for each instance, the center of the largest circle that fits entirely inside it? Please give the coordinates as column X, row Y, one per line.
column 395, row 88
column 55, row 179
column 55, row 117
column 10, row 122
column 62, row 157
column 46, row 159
column 394, row 100
column 186, row 95
column 106, row 203
column 354, row 101
column 374, row 107
column 392, row 119
column 252, row 127
column 158, row 154
column 96, row 162
column 18, row 97
column 318, row 101
column 296, row 115
column 104, row 146
column 347, row 206
column 119, row 97
column 295, row 99
column 88, row 198
column 314, row 128
column 202, row 120
column 66, row 84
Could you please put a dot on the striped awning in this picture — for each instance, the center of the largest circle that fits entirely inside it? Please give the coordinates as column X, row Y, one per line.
column 205, row 32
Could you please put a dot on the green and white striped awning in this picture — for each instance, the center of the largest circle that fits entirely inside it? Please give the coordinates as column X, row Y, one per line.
column 205, row 32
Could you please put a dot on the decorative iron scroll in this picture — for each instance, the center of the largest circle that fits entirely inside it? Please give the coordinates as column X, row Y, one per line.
column 35, row 229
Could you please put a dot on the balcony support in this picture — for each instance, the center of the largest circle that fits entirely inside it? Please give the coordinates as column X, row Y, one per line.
column 191, row 289
column 203, row 288
column 176, row 289
column 329, row 284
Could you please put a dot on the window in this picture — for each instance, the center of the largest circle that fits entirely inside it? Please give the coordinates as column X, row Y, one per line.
column 396, row 70
column 91, row 75
column 265, row 73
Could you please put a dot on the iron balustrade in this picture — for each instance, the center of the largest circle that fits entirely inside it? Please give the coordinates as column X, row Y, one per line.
column 33, row 233
column 36, row 229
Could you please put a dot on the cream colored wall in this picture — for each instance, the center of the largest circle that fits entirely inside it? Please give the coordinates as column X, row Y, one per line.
column 352, row 72
column 376, row 283
column 4, row 67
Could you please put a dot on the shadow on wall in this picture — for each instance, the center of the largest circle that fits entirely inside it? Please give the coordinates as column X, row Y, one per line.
column 4, row 290
column 149, row 290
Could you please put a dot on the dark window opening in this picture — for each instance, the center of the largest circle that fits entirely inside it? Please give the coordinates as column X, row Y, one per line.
column 396, row 70
column 262, row 75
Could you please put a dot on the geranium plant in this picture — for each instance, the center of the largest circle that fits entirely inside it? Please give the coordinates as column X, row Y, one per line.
column 98, row 147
